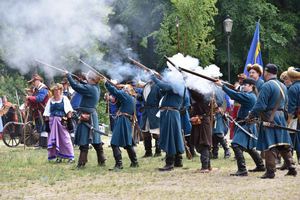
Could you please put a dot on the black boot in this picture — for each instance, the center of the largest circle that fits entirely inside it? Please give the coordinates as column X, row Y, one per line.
column 215, row 152
column 118, row 158
column 169, row 164
column 82, row 160
column 132, row 155
column 260, row 167
column 157, row 149
column 242, row 171
column 288, row 159
column 270, row 164
column 148, row 146
column 101, row 158
column 178, row 160
column 227, row 152
column 205, row 162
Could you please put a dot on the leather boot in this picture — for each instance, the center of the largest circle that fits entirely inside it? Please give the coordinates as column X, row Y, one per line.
column 101, row 158
column 205, row 162
column 298, row 157
column 148, row 146
column 288, row 159
column 270, row 164
column 260, row 167
column 242, row 171
column 282, row 167
column 118, row 158
column 132, row 155
column 169, row 164
column 82, row 160
column 157, row 149
column 227, row 152
column 178, row 160
column 215, row 152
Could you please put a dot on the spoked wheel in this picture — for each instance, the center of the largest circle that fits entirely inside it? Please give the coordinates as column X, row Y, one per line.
column 31, row 135
column 11, row 134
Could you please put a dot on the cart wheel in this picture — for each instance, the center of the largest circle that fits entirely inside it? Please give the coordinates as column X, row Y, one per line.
column 11, row 134
column 31, row 135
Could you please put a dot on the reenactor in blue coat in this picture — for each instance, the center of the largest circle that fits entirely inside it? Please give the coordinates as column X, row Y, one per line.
column 271, row 139
column 218, row 126
column 294, row 106
column 150, row 97
column 241, row 141
column 255, row 71
column 122, row 133
column 84, row 136
column 170, row 139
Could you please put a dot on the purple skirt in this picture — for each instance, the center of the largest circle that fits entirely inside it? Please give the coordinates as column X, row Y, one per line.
column 59, row 140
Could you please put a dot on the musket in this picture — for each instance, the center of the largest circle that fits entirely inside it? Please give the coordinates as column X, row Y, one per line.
column 272, row 125
column 186, row 147
column 200, row 75
column 23, row 93
column 98, row 73
column 95, row 130
column 238, row 125
column 73, row 75
column 146, row 69
column 177, row 28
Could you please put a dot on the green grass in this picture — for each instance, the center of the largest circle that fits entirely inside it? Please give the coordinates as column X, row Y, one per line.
column 27, row 174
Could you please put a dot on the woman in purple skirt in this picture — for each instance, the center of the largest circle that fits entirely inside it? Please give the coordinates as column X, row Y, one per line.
column 58, row 124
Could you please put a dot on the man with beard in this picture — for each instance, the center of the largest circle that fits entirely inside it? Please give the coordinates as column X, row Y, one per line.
column 255, row 71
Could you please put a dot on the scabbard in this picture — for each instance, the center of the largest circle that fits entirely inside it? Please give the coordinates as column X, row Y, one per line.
column 97, row 131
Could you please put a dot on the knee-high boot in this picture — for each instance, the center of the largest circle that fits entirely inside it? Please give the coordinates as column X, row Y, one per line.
column 260, row 167
column 205, row 162
column 227, row 152
column 270, row 157
column 242, row 171
column 82, row 160
column 298, row 157
column 157, row 149
column 169, row 164
column 288, row 159
column 100, row 155
column 148, row 146
column 132, row 155
column 178, row 160
column 118, row 158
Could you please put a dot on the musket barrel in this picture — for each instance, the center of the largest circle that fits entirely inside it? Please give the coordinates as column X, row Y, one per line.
column 49, row 65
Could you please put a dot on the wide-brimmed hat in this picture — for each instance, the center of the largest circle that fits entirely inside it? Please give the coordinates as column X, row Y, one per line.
column 293, row 74
column 35, row 77
column 256, row 67
column 242, row 76
column 64, row 81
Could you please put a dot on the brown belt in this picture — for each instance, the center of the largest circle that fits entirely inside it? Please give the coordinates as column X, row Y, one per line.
column 125, row 115
column 150, row 106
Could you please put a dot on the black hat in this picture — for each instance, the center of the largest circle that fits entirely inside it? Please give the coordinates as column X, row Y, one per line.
column 273, row 69
column 249, row 80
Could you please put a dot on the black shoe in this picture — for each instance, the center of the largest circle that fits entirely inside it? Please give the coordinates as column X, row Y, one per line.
column 147, row 155
column 258, row 169
column 291, row 172
column 157, row 155
column 58, row 160
column 240, row 173
column 178, row 165
column 135, row 164
column 214, row 157
column 268, row 175
column 166, row 168
column 116, row 167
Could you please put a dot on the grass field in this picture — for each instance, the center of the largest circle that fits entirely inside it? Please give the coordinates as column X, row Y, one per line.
column 27, row 174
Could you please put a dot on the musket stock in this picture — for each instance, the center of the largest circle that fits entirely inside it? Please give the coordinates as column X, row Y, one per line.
column 23, row 93
column 73, row 75
column 98, row 73
column 146, row 69
column 200, row 75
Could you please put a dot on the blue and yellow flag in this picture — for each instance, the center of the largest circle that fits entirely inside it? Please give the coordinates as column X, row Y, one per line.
column 254, row 55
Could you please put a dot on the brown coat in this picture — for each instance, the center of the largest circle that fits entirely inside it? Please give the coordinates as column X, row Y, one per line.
column 201, row 134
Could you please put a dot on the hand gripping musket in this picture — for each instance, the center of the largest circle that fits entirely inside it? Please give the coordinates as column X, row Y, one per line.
column 238, row 125
column 73, row 75
column 272, row 125
column 98, row 73
column 200, row 75
column 146, row 69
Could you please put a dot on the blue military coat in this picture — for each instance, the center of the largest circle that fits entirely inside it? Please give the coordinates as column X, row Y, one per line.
column 218, row 126
column 293, row 104
column 185, row 118
column 88, row 104
column 269, row 137
column 170, row 139
column 247, row 101
column 258, row 84
column 122, row 133
column 150, row 113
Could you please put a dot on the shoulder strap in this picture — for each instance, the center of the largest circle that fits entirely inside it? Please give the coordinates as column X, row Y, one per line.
column 277, row 104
